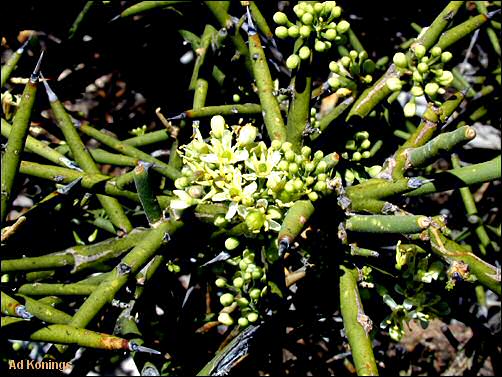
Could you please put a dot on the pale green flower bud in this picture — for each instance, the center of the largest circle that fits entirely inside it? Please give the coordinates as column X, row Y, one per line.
column 345, row 60
column 394, row 84
column 366, row 154
column 255, row 220
column 419, row 50
column 417, row 76
column 333, row 67
column 217, row 126
column 334, row 82
column 304, row 52
column 247, row 134
column 365, row 144
column 242, row 301
column 298, row 184
column 330, row 34
column 283, row 165
column 242, row 322
column 225, row 319
column 293, row 168
column 350, row 145
column 252, row 317
column 362, row 135
column 238, row 282
column 236, row 98
column 431, row 89
column 417, row 91
column 290, row 155
column 220, row 221
column 336, row 12
column 309, row 180
column 446, row 78
column 280, row 18
column 227, row 299
column 276, row 145
column 181, row 183
column 353, row 55
column 322, row 177
column 410, row 109
column 196, row 191
column 220, row 282
column 320, row 186
column 281, row 32
column 293, row 61
column 446, row 56
column 436, row 51
column 321, row 167
column 356, row 156
column 400, row 60
column 313, row 196
column 299, row 10
column 307, row 19
column 342, row 92
column 374, row 170
column 318, row 8
column 306, row 151
column 294, row 31
column 318, row 155
column 422, row 67
column 305, row 31
column 319, row 46
column 231, row 243
column 254, row 293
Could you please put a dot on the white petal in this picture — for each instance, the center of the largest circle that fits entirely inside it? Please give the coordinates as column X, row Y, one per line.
column 275, row 158
column 219, row 197
column 209, row 158
column 242, row 211
column 182, row 195
column 232, row 210
column 249, row 177
column 274, row 225
column 241, row 155
column 250, row 189
column 178, row 204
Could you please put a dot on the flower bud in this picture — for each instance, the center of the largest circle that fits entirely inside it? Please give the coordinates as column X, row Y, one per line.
column 410, row 109
column 330, row 34
column 336, row 12
column 220, row 282
column 422, row 67
column 322, row 177
column 309, row 167
column 243, row 264
column 400, row 60
column 231, row 243
column 362, row 135
column 318, row 8
column 349, row 177
column 417, row 91
column 298, row 184
column 286, row 146
column 309, row 180
column 441, row 91
column 254, row 293
column 236, row 98
column 356, row 156
column 345, row 60
column 290, row 155
column 321, row 167
column 281, row 32
column 318, row 155
column 294, row 31
column 394, row 84
column 365, row 144
column 243, row 322
column 431, row 89
column 255, row 220
column 333, row 67
column 276, row 145
column 304, row 52
column 225, row 319
column 292, row 61
column 374, row 170
column 289, row 186
column 227, row 299
column 280, row 18
column 305, row 31
column 350, row 145
column 217, row 126
column 446, row 78
column 247, row 276
column 436, row 51
column 353, row 55
column 293, row 168
column 242, row 301
column 320, row 186
column 334, row 82
column 306, row 151
column 283, row 165
column 257, row 274
column 247, row 134
column 446, row 56
column 181, row 183
column 252, row 317
column 313, row 196
column 238, row 282
column 419, row 50
column 319, row 46
column 367, row 79
column 417, row 76
column 196, row 191
column 366, row 154
column 307, row 19
column 299, row 10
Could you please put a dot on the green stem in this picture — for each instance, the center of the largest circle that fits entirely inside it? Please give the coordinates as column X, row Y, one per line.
column 11, row 159
column 450, row 251
column 332, row 115
column 81, row 16
column 130, row 264
column 46, row 289
column 224, row 110
column 442, row 143
column 357, row 324
column 387, row 224
column 294, row 221
column 11, row 63
column 271, row 110
column 159, row 166
column 146, row 196
column 452, row 35
column 261, row 22
column 94, row 182
column 144, row 6
column 148, row 138
column 45, row 312
column 202, row 53
column 85, row 161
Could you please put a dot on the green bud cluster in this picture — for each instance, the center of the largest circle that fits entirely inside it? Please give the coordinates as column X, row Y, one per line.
column 425, row 72
column 358, row 147
column 257, row 183
column 318, row 27
column 241, row 295
column 352, row 66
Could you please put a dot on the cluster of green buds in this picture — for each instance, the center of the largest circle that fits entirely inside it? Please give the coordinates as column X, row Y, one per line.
column 351, row 67
column 241, row 295
column 257, row 183
column 358, row 147
column 426, row 73
column 315, row 26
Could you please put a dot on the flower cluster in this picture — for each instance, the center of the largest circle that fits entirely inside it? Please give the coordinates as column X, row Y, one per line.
column 256, row 182
column 242, row 294
column 426, row 73
column 316, row 23
column 352, row 66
